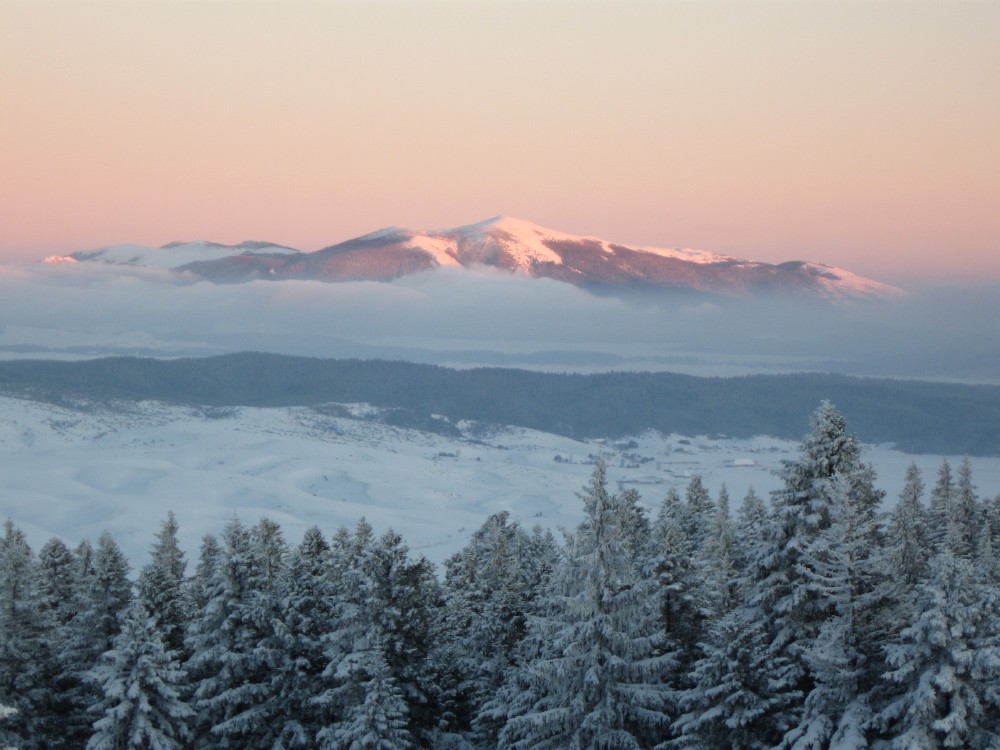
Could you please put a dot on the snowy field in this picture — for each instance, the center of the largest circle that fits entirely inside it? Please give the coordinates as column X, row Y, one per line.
column 72, row 474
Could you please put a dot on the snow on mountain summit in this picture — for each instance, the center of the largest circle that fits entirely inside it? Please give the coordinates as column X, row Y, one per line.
column 523, row 243
column 175, row 254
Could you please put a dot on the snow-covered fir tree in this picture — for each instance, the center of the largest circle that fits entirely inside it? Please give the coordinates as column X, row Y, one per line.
column 307, row 612
column 349, row 629
column 718, row 563
column 104, row 593
column 487, row 600
column 383, row 596
column 272, row 551
column 732, row 698
column 748, row 532
column 161, row 586
column 728, row 698
column 671, row 557
column 965, row 513
column 28, row 661
column 598, row 681
column 939, row 512
column 843, row 569
column 909, row 536
column 802, row 509
column 233, row 657
column 699, row 512
column 945, row 665
column 198, row 589
column 57, row 580
column 378, row 720
column 788, row 665
column 401, row 600
column 141, row 705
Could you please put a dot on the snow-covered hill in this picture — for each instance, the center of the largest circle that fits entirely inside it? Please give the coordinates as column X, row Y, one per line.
column 509, row 244
column 171, row 255
column 73, row 473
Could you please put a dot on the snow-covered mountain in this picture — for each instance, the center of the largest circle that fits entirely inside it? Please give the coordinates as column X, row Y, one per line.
column 171, row 255
column 511, row 245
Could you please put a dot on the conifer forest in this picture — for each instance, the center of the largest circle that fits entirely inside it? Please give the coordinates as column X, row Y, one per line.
column 812, row 619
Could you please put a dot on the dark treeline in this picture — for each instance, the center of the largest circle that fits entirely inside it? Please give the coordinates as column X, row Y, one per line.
column 921, row 417
column 811, row 621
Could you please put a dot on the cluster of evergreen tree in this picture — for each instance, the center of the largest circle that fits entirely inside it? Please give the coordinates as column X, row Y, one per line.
column 812, row 622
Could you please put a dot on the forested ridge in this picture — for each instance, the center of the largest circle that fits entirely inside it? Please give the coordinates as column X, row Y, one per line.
column 921, row 417
column 812, row 620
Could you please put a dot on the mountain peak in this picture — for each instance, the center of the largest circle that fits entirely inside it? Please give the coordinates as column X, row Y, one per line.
column 502, row 223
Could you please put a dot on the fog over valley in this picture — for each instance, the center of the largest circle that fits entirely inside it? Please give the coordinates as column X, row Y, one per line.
column 494, row 318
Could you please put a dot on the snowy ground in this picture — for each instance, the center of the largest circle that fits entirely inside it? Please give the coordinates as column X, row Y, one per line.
column 73, row 474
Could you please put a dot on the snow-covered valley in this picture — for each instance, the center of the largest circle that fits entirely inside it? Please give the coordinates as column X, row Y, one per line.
column 75, row 472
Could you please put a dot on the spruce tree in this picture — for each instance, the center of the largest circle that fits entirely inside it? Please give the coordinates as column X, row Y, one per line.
column 161, row 586
column 104, row 594
column 811, row 600
column 485, row 610
column 841, row 570
column 672, row 560
column 718, row 563
column 198, row 589
column 732, row 697
column 28, row 663
column 598, row 681
column 939, row 513
column 945, row 666
column 140, row 683
column 751, row 519
column 350, row 628
column 384, row 597
column 233, row 658
column 699, row 513
column 909, row 536
column 965, row 513
column 307, row 612
column 378, row 720
column 58, row 581
column 401, row 598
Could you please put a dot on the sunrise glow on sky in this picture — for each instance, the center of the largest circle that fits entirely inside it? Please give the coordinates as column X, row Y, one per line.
column 860, row 134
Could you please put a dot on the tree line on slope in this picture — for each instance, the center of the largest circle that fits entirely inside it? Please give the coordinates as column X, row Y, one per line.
column 814, row 621
column 942, row 418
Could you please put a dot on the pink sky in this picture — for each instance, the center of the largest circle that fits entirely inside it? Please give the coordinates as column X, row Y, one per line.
column 863, row 135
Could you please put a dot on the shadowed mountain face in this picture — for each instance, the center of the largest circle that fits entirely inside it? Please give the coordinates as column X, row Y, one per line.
column 521, row 247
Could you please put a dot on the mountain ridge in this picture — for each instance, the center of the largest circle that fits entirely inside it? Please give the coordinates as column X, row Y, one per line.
column 507, row 244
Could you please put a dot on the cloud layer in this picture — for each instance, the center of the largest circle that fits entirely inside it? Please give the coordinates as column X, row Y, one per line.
column 493, row 318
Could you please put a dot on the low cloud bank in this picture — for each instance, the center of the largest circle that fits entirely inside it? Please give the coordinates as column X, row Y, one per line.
column 85, row 309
